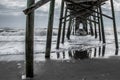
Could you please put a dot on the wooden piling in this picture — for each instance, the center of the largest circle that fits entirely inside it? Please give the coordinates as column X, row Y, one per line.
column 99, row 51
column 91, row 27
column 95, row 25
column 60, row 24
column 95, row 52
column 73, row 27
column 77, row 23
column 103, row 50
column 99, row 26
column 50, row 28
column 116, row 51
column 102, row 25
column 69, row 29
column 29, row 41
column 114, row 25
column 64, row 26
column 85, row 27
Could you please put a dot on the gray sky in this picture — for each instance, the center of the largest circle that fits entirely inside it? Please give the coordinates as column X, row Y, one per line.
column 11, row 14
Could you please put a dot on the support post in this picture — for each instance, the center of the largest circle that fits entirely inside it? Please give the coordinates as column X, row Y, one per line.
column 29, row 41
column 103, row 50
column 91, row 27
column 77, row 23
column 73, row 27
column 114, row 25
column 95, row 25
column 99, row 26
column 64, row 26
column 84, row 22
column 69, row 29
column 99, row 51
column 86, row 26
column 102, row 25
column 60, row 24
column 50, row 27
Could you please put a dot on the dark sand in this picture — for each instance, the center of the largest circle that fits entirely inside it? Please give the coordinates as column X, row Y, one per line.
column 10, row 70
column 89, row 69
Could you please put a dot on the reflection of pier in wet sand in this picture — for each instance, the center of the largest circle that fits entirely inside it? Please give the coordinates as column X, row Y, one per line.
column 91, row 53
column 93, row 63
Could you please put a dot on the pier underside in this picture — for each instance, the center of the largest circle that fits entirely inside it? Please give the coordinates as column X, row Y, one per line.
column 82, row 8
column 75, row 12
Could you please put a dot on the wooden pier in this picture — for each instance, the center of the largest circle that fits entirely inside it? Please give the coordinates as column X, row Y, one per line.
column 86, row 12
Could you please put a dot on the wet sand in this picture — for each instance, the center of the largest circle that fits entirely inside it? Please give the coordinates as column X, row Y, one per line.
column 88, row 69
column 10, row 70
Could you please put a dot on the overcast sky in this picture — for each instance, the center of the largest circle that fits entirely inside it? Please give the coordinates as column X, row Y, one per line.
column 11, row 14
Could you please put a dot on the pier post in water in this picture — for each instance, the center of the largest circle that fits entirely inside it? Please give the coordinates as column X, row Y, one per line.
column 114, row 25
column 64, row 26
column 95, row 25
column 84, row 22
column 60, row 24
column 91, row 27
column 99, row 26
column 73, row 27
column 102, row 25
column 69, row 29
column 29, row 41
column 86, row 26
column 77, row 23
column 50, row 28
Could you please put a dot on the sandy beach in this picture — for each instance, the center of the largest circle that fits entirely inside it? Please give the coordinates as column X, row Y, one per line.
column 100, row 62
column 88, row 69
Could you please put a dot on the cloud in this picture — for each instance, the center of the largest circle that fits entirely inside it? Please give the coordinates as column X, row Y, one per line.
column 14, row 8
column 116, row 5
column 13, row 3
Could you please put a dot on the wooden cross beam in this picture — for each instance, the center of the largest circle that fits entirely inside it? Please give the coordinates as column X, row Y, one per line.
column 82, row 6
column 89, row 20
column 83, row 18
column 35, row 6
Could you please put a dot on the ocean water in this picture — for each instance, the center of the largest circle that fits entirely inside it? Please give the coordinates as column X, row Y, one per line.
column 12, row 46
